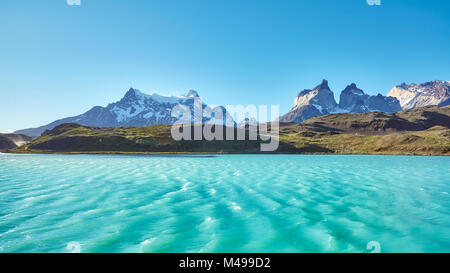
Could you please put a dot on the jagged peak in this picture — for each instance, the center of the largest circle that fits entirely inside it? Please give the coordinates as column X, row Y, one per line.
column 191, row 93
column 323, row 85
column 352, row 88
column 132, row 92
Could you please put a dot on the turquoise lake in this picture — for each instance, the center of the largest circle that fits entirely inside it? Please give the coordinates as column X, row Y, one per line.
column 225, row 203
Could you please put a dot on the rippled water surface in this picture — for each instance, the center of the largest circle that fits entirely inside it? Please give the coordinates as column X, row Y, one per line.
column 226, row 203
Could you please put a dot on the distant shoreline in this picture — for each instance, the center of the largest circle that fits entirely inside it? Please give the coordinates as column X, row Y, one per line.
column 211, row 153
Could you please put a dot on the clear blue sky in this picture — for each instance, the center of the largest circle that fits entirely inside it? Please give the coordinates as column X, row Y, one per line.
column 58, row 60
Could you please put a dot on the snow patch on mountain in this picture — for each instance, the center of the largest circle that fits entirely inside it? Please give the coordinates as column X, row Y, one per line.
column 139, row 109
column 419, row 95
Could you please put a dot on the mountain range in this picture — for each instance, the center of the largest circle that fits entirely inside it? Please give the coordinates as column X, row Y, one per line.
column 139, row 109
column 320, row 101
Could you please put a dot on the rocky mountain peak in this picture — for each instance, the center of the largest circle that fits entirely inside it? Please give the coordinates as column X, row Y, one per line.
column 133, row 94
column 352, row 88
column 320, row 101
column 191, row 93
column 321, row 96
column 323, row 85
column 312, row 102
column 354, row 100
column 131, row 90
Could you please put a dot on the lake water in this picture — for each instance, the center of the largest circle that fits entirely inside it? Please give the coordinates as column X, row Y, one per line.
column 226, row 203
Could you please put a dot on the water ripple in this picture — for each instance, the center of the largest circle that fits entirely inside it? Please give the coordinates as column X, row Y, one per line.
column 227, row 203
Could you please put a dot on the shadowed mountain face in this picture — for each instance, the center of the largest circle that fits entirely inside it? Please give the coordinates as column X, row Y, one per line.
column 10, row 141
column 380, row 123
column 419, row 95
column 320, row 101
column 354, row 100
column 136, row 109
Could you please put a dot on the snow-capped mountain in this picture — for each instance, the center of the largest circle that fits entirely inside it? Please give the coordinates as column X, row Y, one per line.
column 320, row 101
column 419, row 95
column 138, row 109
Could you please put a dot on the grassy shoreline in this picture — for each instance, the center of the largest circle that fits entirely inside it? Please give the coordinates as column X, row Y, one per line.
column 431, row 142
column 212, row 153
column 423, row 131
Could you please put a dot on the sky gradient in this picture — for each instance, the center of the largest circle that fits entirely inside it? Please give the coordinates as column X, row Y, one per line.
column 58, row 60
